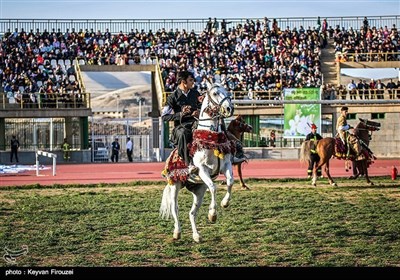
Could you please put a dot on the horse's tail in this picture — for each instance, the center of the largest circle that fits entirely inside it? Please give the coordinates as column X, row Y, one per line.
column 166, row 203
column 305, row 152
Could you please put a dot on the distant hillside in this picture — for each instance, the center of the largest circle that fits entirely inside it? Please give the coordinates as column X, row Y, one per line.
column 344, row 79
column 126, row 99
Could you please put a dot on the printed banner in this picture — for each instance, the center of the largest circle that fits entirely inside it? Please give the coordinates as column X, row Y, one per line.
column 299, row 117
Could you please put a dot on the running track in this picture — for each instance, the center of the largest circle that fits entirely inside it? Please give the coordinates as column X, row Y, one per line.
column 125, row 172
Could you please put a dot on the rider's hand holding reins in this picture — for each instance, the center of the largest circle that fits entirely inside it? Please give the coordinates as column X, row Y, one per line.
column 196, row 113
column 186, row 110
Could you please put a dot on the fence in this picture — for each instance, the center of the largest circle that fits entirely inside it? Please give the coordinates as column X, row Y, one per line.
column 106, row 131
column 128, row 25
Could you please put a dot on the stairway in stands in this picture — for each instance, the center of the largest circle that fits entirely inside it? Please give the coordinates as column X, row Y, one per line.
column 328, row 65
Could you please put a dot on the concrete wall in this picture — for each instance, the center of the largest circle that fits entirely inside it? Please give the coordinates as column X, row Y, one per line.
column 29, row 158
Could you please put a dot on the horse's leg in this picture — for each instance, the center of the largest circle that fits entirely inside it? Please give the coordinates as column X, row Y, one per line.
column 356, row 170
column 174, row 209
column 331, row 182
column 317, row 165
column 239, row 170
column 365, row 172
column 212, row 210
column 198, row 195
column 229, row 184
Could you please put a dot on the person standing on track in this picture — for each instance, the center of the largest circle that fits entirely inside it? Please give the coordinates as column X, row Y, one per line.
column 129, row 149
column 313, row 137
column 115, row 147
column 14, row 148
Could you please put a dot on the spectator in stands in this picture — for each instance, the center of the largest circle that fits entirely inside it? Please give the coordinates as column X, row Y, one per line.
column 391, row 86
column 398, row 89
column 380, row 89
column 372, row 89
column 318, row 27
column 352, row 89
column 360, row 89
column 342, row 92
column 365, row 24
column 366, row 89
column 215, row 26
column 209, row 25
column 224, row 24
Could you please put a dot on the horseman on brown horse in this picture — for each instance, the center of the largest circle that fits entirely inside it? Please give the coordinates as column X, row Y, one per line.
column 346, row 146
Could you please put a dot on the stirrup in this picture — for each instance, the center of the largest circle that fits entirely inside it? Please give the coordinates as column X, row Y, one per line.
column 192, row 169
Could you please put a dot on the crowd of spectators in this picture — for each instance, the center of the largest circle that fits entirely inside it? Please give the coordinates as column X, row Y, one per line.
column 256, row 56
column 370, row 43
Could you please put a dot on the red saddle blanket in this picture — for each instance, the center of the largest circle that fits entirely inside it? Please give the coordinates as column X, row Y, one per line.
column 175, row 168
column 210, row 140
column 341, row 150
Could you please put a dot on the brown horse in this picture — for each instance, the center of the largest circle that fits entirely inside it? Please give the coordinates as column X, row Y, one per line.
column 237, row 127
column 327, row 148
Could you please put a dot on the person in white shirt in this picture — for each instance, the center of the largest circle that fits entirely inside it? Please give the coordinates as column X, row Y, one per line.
column 129, row 149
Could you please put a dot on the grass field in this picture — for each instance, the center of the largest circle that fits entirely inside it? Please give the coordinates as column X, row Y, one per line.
column 277, row 223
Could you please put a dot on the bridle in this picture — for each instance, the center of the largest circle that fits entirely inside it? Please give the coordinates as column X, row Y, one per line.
column 213, row 109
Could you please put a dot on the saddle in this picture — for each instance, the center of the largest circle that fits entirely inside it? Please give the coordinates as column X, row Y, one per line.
column 175, row 167
column 341, row 150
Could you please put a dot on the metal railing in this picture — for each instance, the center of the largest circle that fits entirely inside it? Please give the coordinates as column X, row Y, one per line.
column 275, row 97
column 371, row 57
column 198, row 25
column 46, row 101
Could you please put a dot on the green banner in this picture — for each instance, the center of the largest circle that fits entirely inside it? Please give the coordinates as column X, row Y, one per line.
column 299, row 117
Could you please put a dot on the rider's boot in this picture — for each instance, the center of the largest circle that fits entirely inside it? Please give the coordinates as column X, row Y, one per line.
column 192, row 169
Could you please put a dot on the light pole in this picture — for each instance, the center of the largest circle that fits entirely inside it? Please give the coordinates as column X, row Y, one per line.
column 117, row 96
column 140, row 110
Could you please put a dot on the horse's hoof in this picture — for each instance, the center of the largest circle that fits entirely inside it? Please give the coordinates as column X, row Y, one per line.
column 245, row 187
column 334, row 185
column 177, row 235
column 224, row 204
column 212, row 218
column 197, row 238
column 314, row 184
column 223, row 183
column 370, row 183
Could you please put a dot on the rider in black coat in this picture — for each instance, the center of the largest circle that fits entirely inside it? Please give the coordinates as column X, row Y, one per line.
column 183, row 107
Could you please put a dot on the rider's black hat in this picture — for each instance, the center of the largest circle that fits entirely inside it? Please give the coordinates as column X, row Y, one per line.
column 344, row 108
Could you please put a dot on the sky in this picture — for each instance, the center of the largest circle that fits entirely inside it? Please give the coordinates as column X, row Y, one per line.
column 194, row 9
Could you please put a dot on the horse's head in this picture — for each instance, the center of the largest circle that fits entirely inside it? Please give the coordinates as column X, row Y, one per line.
column 219, row 100
column 239, row 125
column 363, row 129
column 369, row 125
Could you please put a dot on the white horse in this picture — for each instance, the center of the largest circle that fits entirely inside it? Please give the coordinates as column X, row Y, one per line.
column 211, row 155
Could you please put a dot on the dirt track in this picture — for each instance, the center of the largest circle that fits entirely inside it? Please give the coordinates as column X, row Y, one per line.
column 129, row 172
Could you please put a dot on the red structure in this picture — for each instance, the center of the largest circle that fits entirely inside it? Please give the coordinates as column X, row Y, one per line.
column 394, row 172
